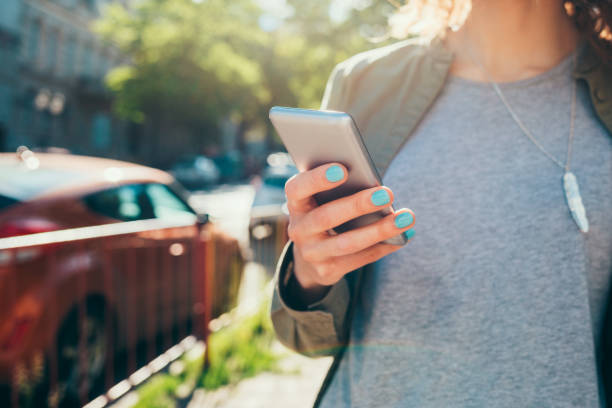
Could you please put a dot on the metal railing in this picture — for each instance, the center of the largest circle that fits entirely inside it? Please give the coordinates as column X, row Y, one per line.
column 84, row 308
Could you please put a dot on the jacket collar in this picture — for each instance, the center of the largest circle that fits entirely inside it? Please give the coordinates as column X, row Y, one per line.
column 434, row 66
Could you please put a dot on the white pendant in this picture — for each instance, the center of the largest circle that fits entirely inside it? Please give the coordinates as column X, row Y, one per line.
column 574, row 201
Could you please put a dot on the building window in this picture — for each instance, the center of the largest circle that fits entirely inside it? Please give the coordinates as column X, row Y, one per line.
column 94, row 65
column 3, row 138
column 101, row 132
column 110, row 62
column 104, row 63
column 86, row 60
column 51, row 50
column 33, row 40
column 70, row 52
column 6, row 102
column 90, row 4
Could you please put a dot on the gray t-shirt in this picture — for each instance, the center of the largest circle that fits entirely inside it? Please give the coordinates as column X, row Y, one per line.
column 499, row 298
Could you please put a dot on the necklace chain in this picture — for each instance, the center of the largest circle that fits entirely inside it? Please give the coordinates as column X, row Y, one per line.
column 570, row 184
column 521, row 125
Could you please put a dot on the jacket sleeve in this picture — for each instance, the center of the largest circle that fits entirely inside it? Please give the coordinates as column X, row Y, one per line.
column 317, row 329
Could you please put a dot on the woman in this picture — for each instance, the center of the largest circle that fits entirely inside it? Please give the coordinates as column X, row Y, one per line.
column 486, row 132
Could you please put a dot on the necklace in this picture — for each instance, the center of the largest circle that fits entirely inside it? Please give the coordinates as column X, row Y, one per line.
column 570, row 184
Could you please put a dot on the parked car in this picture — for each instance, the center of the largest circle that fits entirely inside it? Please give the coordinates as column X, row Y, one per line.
column 269, row 216
column 104, row 294
column 230, row 165
column 196, row 172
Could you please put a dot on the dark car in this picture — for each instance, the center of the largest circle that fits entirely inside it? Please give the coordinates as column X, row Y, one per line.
column 269, row 216
column 133, row 263
column 196, row 172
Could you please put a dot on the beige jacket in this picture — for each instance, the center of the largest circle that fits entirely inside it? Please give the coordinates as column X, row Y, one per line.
column 387, row 91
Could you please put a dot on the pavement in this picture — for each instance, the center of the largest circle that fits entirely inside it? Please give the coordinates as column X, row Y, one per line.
column 297, row 380
column 297, row 387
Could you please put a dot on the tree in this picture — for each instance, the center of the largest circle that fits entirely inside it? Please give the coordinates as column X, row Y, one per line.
column 186, row 65
column 310, row 43
column 194, row 63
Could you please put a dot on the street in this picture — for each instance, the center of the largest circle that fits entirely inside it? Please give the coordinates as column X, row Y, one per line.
column 229, row 207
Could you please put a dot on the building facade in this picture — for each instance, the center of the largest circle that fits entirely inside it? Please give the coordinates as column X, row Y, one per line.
column 52, row 92
column 52, row 80
column 9, row 48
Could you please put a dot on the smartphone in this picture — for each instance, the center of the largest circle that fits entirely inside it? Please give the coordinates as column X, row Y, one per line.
column 316, row 137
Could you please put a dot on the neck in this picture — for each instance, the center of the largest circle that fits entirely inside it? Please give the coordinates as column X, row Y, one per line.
column 513, row 40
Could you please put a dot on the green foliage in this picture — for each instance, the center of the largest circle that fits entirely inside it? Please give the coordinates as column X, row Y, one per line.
column 158, row 393
column 313, row 43
column 241, row 350
column 195, row 63
column 237, row 351
column 161, row 391
column 186, row 61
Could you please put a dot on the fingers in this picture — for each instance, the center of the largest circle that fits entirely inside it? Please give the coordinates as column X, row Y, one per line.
column 301, row 187
column 359, row 239
column 321, row 259
column 333, row 270
column 344, row 209
column 367, row 256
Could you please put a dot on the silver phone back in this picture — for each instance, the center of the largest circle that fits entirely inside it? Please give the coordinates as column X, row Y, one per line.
column 314, row 137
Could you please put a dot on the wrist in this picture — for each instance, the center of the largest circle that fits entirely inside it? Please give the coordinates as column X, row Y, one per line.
column 304, row 292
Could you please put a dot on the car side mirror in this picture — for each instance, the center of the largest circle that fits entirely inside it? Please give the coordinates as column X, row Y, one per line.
column 202, row 219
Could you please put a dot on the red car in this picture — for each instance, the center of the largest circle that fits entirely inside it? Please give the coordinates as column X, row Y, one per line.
column 88, row 292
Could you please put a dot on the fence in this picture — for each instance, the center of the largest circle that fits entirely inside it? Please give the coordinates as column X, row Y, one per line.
column 81, row 309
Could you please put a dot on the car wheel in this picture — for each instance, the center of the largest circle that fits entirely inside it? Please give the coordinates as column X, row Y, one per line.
column 71, row 379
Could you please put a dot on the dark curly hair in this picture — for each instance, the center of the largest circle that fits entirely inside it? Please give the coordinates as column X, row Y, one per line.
column 593, row 19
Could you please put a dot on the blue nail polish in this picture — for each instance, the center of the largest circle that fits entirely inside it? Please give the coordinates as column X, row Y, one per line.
column 334, row 173
column 380, row 197
column 408, row 234
column 403, row 220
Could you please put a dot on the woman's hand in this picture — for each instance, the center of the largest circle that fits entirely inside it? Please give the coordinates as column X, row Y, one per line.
column 322, row 259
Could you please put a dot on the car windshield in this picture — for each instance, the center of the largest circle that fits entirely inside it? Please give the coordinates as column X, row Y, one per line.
column 139, row 202
column 6, row 201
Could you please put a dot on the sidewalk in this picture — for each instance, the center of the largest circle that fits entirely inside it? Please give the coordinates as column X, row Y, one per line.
column 298, row 389
column 295, row 385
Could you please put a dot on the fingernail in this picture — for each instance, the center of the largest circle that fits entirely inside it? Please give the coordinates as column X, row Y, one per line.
column 380, row 197
column 408, row 234
column 403, row 220
column 334, row 173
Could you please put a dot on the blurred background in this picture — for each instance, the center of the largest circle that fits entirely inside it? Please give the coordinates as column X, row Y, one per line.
column 141, row 194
